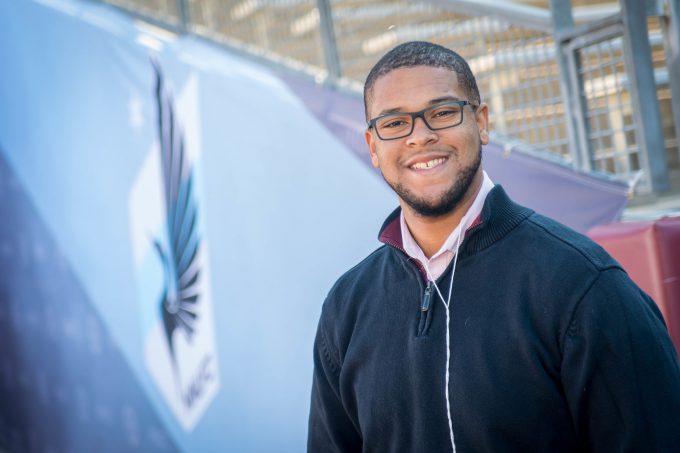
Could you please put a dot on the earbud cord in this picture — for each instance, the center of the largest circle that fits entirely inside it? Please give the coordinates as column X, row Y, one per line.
column 447, row 303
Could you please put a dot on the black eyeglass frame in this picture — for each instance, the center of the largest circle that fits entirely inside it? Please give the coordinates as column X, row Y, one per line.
column 421, row 114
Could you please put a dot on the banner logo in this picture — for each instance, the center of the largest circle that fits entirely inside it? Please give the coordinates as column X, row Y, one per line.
column 172, row 268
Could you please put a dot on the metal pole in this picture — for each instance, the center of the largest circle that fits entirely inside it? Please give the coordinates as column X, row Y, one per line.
column 570, row 83
column 643, row 94
column 672, row 45
column 183, row 15
column 330, row 46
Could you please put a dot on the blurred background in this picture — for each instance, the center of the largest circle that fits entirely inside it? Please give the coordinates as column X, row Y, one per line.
column 182, row 181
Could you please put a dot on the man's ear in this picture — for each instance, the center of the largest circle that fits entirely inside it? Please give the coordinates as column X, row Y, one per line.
column 370, row 141
column 482, row 118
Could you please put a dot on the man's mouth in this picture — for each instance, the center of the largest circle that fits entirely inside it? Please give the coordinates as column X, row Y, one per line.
column 429, row 164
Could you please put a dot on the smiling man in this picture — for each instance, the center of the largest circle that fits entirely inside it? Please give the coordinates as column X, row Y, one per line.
column 479, row 325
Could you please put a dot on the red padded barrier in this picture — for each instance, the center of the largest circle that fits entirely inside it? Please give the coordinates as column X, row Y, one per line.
column 650, row 253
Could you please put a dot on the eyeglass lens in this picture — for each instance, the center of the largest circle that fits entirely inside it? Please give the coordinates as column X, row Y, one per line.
column 401, row 124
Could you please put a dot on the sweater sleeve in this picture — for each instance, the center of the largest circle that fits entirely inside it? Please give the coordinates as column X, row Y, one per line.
column 330, row 427
column 620, row 371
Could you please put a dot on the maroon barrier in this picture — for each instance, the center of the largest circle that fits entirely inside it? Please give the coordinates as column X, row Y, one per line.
column 650, row 253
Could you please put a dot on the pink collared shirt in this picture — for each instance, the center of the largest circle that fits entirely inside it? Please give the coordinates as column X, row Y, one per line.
column 439, row 261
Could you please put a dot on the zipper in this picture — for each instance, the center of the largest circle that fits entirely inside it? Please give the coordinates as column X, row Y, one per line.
column 425, row 312
column 425, row 305
column 425, row 309
column 426, row 302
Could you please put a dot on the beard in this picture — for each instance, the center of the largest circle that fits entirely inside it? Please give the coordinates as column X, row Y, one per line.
column 449, row 199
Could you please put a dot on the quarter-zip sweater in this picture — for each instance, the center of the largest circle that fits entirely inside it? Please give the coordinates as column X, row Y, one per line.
column 553, row 349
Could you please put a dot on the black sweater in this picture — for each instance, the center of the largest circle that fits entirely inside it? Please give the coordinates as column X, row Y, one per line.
column 553, row 349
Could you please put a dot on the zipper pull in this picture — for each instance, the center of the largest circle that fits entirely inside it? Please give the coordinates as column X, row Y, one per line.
column 426, row 297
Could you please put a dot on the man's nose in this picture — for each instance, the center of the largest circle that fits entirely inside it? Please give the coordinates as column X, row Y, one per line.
column 421, row 134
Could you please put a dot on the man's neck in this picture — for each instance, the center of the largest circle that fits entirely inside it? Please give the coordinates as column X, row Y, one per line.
column 431, row 232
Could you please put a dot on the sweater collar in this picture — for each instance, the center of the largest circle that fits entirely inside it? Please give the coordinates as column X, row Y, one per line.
column 499, row 216
column 390, row 232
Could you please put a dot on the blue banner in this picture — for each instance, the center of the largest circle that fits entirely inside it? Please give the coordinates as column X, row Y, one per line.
column 172, row 218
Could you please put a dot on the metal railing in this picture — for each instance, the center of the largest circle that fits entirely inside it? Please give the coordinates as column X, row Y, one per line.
column 571, row 94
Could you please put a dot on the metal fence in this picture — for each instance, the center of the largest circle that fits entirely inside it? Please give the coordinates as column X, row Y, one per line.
column 521, row 68
column 617, row 91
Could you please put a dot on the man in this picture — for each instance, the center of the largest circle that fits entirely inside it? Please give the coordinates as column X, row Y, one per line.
column 480, row 326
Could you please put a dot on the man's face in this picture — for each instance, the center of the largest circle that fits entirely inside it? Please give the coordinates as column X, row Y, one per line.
column 431, row 171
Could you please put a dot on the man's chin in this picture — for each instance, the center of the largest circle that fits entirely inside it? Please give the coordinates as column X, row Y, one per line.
column 432, row 207
column 431, row 211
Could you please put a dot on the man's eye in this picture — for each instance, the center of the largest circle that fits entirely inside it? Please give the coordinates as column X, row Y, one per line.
column 444, row 113
column 393, row 124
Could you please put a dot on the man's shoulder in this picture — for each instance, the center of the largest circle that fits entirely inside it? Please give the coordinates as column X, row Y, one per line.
column 361, row 273
column 560, row 240
column 547, row 240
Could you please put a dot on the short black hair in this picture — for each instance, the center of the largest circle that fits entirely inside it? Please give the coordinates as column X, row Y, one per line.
column 421, row 53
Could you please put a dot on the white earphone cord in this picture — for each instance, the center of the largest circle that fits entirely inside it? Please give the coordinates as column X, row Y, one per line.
column 448, row 348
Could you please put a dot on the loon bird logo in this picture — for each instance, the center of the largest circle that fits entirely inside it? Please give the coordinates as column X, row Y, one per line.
column 178, row 307
column 170, row 258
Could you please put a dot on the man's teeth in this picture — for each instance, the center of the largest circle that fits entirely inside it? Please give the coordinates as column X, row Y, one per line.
column 428, row 164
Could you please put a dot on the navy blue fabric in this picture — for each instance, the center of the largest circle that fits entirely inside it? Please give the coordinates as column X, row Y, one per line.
column 553, row 349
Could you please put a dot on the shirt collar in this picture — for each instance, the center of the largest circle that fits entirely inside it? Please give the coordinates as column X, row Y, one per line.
column 471, row 218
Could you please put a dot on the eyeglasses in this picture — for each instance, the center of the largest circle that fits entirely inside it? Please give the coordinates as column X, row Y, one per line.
column 399, row 125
